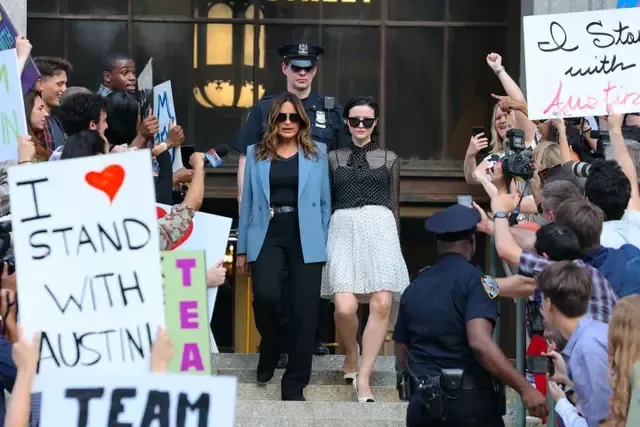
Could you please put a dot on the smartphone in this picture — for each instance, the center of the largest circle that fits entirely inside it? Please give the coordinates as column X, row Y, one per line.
column 465, row 200
column 476, row 130
column 186, row 151
column 540, row 365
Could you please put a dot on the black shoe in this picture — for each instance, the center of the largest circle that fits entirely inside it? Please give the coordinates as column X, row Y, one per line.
column 321, row 350
column 298, row 397
column 263, row 378
column 282, row 362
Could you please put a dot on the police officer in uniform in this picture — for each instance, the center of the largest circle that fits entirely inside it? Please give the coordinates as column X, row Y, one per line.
column 299, row 65
column 449, row 367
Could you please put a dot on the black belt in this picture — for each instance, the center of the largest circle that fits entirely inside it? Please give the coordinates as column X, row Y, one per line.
column 273, row 210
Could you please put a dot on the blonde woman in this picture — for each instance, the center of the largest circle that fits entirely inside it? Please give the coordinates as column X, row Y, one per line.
column 624, row 361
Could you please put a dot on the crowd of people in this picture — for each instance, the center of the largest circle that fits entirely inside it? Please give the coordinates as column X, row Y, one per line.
column 319, row 219
column 564, row 218
column 74, row 122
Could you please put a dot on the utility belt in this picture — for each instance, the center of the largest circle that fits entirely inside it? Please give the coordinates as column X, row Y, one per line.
column 435, row 391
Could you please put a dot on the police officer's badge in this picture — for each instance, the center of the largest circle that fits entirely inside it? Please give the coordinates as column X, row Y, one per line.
column 303, row 49
column 321, row 119
column 490, row 286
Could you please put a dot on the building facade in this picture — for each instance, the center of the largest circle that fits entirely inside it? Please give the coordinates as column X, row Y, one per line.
column 424, row 60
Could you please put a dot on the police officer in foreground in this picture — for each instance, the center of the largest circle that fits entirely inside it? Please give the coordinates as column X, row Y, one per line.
column 448, row 365
column 300, row 66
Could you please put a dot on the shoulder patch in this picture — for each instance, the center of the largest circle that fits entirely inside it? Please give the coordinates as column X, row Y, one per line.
column 490, row 286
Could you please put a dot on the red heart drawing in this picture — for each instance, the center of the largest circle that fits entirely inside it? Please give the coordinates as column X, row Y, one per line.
column 161, row 213
column 109, row 180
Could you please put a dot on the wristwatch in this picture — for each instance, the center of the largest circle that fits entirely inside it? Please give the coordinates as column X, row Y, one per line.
column 500, row 214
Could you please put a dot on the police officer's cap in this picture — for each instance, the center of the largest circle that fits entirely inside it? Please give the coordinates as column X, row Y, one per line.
column 456, row 222
column 301, row 54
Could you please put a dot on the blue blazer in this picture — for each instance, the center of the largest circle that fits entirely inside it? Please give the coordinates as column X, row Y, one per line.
column 314, row 205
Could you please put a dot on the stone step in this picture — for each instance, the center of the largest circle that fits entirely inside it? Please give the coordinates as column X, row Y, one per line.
column 256, row 413
column 382, row 411
column 316, row 393
column 248, row 376
column 238, row 361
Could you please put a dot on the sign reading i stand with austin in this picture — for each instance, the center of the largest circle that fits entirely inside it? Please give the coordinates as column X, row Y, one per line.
column 578, row 63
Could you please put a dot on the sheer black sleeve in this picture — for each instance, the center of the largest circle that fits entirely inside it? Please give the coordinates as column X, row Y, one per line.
column 393, row 165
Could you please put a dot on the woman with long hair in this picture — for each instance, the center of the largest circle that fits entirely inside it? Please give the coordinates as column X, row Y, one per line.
column 365, row 263
column 624, row 360
column 284, row 220
column 37, row 114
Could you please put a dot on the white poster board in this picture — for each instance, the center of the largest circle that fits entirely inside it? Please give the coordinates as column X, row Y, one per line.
column 12, row 118
column 165, row 112
column 85, row 236
column 577, row 63
column 144, row 399
column 145, row 79
column 209, row 233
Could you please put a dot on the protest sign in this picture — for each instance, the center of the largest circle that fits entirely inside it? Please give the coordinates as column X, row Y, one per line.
column 141, row 400
column 88, row 267
column 208, row 233
column 185, row 299
column 628, row 3
column 12, row 118
column 578, row 63
column 633, row 416
column 164, row 109
column 8, row 35
column 145, row 87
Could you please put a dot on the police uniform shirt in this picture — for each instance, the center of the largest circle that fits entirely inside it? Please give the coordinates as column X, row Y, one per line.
column 326, row 125
column 433, row 313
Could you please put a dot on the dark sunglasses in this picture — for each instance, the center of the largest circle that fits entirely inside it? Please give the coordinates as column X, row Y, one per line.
column 293, row 117
column 297, row 69
column 367, row 123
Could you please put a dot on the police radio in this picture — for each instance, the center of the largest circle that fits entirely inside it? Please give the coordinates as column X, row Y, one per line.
column 329, row 103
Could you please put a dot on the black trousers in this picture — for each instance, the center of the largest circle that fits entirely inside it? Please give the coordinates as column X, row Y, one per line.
column 281, row 251
column 472, row 408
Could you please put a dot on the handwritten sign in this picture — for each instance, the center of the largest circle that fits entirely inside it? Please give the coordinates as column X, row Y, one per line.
column 208, row 233
column 8, row 35
column 578, row 63
column 143, row 399
column 12, row 118
column 185, row 287
column 86, row 243
column 164, row 109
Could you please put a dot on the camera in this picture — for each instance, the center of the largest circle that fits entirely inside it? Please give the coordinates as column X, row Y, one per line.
column 628, row 132
column 6, row 255
column 518, row 163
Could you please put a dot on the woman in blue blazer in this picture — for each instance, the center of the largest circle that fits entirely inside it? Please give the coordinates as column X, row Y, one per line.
column 284, row 220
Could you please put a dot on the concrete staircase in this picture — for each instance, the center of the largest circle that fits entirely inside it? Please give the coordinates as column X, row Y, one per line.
column 330, row 402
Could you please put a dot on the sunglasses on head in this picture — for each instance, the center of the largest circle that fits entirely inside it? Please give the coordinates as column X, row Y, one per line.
column 293, row 117
column 297, row 69
column 367, row 123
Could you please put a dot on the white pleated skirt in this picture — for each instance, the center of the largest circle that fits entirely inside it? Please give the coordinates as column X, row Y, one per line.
column 364, row 254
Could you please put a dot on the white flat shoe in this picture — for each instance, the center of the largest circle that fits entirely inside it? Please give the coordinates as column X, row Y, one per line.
column 351, row 379
column 366, row 399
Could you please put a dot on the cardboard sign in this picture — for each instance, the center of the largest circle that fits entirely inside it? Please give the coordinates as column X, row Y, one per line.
column 208, row 233
column 163, row 109
column 141, row 400
column 12, row 118
column 8, row 35
column 578, row 63
column 185, row 293
column 145, row 87
column 86, row 244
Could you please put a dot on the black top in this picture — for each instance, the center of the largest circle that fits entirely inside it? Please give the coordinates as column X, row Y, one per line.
column 433, row 314
column 363, row 176
column 326, row 125
column 283, row 180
